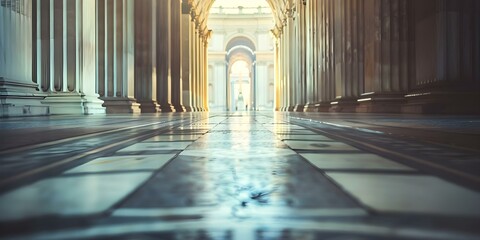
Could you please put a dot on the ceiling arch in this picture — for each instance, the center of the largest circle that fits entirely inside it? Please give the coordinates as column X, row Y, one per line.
column 280, row 9
column 240, row 41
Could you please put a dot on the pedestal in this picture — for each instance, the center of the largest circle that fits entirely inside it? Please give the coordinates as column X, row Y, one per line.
column 73, row 103
column 20, row 99
column 119, row 105
column 444, row 102
column 380, row 103
column 344, row 105
column 166, row 108
column 148, row 106
column 299, row 108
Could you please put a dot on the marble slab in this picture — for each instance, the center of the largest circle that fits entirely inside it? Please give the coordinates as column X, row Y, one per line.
column 171, row 138
column 69, row 195
column 124, row 163
column 355, row 161
column 155, row 146
column 304, row 137
column 317, row 145
column 293, row 131
column 410, row 194
column 90, row 188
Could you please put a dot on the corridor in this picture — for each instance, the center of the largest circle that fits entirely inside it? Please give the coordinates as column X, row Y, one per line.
column 243, row 175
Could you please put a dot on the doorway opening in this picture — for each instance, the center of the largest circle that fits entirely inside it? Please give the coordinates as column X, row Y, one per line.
column 241, row 56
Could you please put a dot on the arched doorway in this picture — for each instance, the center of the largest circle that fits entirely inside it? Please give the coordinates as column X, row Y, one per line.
column 240, row 36
column 240, row 79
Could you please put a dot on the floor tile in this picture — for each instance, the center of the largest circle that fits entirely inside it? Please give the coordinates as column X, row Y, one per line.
column 147, row 146
column 317, row 145
column 410, row 194
column 304, row 137
column 171, row 138
column 124, row 163
column 69, row 195
column 355, row 161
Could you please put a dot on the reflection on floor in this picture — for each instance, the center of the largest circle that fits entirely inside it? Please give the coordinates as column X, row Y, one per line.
column 240, row 176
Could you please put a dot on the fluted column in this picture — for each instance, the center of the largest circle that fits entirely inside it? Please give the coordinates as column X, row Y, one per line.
column 205, row 71
column 18, row 90
column 445, row 78
column 176, row 55
column 311, row 56
column 115, row 55
column 194, row 67
column 277, row 75
column 301, row 56
column 292, row 62
column 286, row 68
column 65, row 56
column 145, row 55
column 164, row 56
column 202, row 65
column 386, row 53
column 186, row 45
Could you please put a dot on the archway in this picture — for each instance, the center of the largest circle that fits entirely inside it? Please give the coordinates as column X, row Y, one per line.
column 241, row 35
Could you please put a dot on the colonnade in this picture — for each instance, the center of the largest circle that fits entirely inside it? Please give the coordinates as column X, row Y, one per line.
column 378, row 56
column 151, row 56
column 97, row 56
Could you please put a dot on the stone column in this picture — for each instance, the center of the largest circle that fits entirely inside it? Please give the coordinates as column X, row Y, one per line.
column 115, row 55
column 176, row 54
column 292, row 60
column 18, row 90
column 286, row 68
column 186, row 42
column 164, row 56
column 194, row 64
column 345, row 48
column 205, row 70
column 326, row 64
column 202, row 71
column 145, row 55
column 277, row 74
column 445, row 56
column 66, row 66
column 311, row 52
column 386, row 53
column 301, row 56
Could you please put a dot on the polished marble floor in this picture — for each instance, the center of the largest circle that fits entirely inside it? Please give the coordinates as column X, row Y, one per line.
column 240, row 175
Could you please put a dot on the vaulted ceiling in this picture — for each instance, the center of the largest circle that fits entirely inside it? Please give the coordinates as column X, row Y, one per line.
column 280, row 9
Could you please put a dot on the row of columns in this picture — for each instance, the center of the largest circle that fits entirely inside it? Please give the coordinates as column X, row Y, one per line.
column 97, row 56
column 378, row 56
column 167, row 42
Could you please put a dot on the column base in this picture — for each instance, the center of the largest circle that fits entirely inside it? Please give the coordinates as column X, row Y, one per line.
column 323, row 106
column 74, row 104
column 309, row 107
column 442, row 102
column 380, row 103
column 148, row 106
column 290, row 108
column 119, row 105
column 93, row 105
column 344, row 105
column 188, row 109
column 299, row 108
column 21, row 99
column 179, row 108
column 166, row 108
